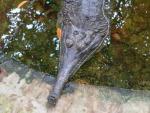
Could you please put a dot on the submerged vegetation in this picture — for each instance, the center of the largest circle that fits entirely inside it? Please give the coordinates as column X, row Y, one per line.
column 28, row 34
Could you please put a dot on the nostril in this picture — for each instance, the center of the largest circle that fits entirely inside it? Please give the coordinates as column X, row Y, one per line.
column 52, row 101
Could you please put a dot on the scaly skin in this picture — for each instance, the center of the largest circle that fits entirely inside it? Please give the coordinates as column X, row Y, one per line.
column 84, row 28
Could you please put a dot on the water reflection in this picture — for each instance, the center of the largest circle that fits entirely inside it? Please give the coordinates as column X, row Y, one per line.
column 123, row 62
column 121, row 9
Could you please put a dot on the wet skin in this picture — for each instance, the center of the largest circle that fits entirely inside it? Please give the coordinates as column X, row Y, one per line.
column 84, row 27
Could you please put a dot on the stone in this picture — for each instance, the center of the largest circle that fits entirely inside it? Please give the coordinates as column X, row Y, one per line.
column 25, row 90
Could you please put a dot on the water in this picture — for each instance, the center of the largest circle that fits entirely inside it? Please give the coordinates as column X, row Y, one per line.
column 29, row 35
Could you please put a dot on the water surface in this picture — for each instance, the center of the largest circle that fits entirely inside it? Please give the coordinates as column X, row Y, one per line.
column 29, row 35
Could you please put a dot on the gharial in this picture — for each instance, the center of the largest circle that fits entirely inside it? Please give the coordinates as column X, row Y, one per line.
column 84, row 26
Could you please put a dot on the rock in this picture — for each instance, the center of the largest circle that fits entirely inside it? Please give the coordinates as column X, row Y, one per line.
column 23, row 90
column 3, row 73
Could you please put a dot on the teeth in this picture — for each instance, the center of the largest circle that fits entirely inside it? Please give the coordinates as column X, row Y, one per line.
column 69, row 43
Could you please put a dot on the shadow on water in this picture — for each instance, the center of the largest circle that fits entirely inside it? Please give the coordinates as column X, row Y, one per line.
column 29, row 35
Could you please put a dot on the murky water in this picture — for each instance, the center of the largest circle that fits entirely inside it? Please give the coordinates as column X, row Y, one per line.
column 28, row 34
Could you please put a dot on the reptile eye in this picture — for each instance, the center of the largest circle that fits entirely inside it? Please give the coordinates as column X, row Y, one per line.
column 75, row 33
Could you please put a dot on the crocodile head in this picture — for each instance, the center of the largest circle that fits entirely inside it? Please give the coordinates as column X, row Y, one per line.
column 77, row 45
column 83, row 33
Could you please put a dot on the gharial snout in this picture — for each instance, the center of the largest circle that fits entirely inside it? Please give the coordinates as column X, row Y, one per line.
column 84, row 28
column 71, row 58
column 68, row 65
